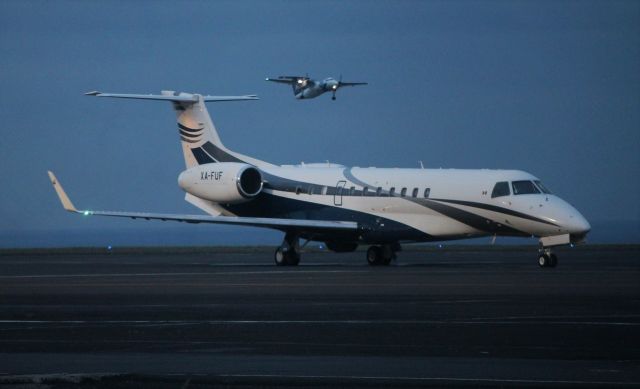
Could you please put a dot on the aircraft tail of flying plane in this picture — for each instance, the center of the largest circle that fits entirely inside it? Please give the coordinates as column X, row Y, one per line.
column 346, row 207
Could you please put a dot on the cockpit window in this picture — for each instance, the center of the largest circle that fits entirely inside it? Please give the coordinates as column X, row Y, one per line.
column 542, row 187
column 500, row 189
column 524, row 187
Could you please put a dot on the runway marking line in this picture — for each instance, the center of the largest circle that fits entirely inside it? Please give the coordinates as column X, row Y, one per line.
column 178, row 274
column 383, row 378
column 315, row 322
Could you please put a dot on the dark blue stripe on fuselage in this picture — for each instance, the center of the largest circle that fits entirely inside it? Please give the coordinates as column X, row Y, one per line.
column 471, row 219
column 374, row 229
column 494, row 208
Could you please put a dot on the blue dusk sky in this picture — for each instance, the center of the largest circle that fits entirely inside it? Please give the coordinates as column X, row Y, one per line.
column 549, row 87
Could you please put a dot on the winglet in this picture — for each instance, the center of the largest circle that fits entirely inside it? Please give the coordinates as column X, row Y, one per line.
column 93, row 93
column 64, row 199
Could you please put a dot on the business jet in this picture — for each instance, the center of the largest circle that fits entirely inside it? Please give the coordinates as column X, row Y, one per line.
column 306, row 88
column 346, row 207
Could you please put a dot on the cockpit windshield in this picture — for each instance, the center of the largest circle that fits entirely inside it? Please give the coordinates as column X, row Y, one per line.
column 500, row 189
column 524, row 187
column 542, row 187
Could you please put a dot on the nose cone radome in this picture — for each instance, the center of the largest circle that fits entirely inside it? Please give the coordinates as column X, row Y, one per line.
column 573, row 222
column 578, row 224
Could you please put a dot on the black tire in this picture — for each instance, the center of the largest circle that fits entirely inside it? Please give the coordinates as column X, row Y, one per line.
column 293, row 258
column 543, row 260
column 553, row 260
column 280, row 257
column 374, row 256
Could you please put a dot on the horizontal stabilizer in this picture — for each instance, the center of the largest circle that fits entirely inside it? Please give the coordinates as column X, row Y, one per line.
column 172, row 96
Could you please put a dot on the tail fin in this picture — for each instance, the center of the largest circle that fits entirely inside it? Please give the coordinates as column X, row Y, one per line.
column 199, row 137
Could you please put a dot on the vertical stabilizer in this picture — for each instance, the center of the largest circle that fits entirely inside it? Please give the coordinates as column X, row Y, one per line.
column 198, row 135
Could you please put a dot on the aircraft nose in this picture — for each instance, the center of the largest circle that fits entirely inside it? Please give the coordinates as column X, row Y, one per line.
column 578, row 224
column 575, row 224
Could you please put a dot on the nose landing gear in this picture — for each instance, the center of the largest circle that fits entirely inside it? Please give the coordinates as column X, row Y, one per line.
column 546, row 258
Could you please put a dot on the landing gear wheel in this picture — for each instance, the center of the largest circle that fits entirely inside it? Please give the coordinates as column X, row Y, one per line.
column 374, row 255
column 288, row 254
column 387, row 254
column 333, row 97
column 544, row 260
column 293, row 258
column 280, row 257
column 380, row 255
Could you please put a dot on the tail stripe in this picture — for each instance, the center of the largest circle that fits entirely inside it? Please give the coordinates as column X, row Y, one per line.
column 219, row 154
column 189, row 140
column 201, row 156
column 187, row 135
column 187, row 129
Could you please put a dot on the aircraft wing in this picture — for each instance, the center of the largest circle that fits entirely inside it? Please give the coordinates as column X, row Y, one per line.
column 279, row 224
column 342, row 83
column 287, row 79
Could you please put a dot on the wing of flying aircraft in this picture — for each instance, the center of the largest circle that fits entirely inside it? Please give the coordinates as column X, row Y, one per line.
column 286, row 225
column 291, row 80
column 342, row 83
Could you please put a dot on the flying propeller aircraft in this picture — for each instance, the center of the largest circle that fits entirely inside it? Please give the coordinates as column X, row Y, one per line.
column 306, row 88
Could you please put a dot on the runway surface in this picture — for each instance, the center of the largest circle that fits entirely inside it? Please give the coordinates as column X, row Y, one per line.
column 469, row 317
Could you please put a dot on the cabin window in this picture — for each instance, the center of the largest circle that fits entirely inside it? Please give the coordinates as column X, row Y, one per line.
column 426, row 192
column 524, row 187
column 365, row 191
column 392, row 192
column 415, row 192
column 379, row 191
column 352, row 191
column 403, row 192
column 542, row 187
column 500, row 189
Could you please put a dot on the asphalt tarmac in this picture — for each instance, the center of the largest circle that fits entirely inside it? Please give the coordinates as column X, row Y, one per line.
column 219, row 317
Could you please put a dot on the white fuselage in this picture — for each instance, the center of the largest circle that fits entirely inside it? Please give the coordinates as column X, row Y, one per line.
column 439, row 203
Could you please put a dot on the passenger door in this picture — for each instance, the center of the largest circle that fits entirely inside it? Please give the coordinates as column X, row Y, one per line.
column 337, row 196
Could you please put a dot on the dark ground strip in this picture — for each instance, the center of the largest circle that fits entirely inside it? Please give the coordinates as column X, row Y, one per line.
column 468, row 317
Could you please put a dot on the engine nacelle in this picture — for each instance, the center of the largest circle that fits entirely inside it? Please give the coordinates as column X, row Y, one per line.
column 226, row 182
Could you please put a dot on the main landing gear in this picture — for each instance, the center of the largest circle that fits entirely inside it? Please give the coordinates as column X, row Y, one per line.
column 546, row 258
column 382, row 255
column 288, row 254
